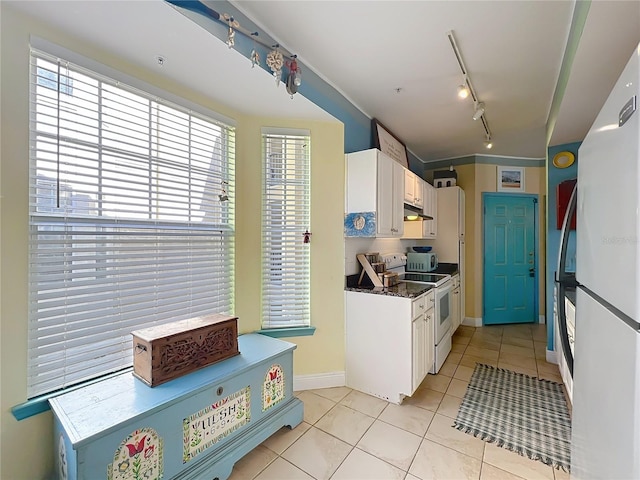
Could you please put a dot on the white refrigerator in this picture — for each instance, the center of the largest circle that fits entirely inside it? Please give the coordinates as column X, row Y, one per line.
column 606, row 370
column 449, row 242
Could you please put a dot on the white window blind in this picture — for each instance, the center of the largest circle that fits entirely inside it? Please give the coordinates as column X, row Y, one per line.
column 285, row 218
column 129, row 227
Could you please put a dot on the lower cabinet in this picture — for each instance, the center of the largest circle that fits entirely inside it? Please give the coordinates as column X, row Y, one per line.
column 389, row 343
column 422, row 339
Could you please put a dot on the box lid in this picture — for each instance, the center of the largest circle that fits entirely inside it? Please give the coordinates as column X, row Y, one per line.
column 161, row 331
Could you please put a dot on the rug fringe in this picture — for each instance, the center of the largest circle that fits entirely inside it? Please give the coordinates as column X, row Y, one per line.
column 505, row 370
column 511, row 447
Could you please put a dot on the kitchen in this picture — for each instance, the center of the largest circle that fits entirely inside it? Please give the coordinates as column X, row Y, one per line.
column 327, row 286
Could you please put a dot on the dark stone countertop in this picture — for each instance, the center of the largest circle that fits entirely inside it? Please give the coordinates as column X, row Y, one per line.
column 402, row 289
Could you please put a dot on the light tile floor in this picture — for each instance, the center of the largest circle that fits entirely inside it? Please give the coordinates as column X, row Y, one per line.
column 347, row 435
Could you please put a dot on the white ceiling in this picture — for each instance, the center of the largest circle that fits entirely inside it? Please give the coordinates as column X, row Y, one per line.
column 512, row 49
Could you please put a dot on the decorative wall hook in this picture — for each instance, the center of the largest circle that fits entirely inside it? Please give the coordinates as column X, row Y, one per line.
column 233, row 25
column 255, row 56
column 275, row 61
column 307, row 237
column 295, row 76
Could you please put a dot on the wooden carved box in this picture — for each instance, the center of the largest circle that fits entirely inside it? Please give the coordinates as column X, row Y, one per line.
column 169, row 351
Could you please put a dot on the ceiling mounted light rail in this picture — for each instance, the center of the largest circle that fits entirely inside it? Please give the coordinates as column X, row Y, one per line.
column 479, row 107
column 479, row 111
column 463, row 90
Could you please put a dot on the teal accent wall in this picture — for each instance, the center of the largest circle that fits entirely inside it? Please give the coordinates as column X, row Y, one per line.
column 357, row 125
column 554, row 177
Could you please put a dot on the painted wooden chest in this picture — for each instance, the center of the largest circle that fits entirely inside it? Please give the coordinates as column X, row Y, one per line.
column 194, row 427
column 169, row 351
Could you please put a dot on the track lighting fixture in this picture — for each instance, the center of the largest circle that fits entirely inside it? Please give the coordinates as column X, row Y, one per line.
column 479, row 110
column 463, row 91
column 467, row 89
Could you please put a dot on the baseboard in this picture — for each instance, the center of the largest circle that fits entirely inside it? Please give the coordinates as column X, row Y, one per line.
column 552, row 357
column 472, row 322
column 318, row 380
column 542, row 319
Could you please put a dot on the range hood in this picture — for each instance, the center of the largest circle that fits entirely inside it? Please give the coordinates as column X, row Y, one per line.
column 414, row 213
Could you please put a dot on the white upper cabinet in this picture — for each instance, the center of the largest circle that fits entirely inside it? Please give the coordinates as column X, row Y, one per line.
column 413, row 189
column 429, row 227
column 375, row 184
column 424, row 228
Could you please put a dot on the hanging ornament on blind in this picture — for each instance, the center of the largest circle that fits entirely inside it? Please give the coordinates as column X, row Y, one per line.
column 275, row 62
column 231, row 34
column 255, row 56
column 295, row 77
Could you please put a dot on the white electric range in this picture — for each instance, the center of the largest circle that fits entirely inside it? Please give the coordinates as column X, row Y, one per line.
column 396, row 262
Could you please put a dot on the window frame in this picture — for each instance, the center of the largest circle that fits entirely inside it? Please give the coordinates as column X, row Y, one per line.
column 43, row 48
column 294, row 242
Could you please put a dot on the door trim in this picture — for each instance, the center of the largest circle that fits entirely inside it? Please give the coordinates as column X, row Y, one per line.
column 536, row 243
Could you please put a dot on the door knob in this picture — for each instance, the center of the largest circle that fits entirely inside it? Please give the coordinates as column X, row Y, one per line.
column 532, row 272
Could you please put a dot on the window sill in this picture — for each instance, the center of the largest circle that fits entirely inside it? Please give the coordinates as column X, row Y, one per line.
column 40, row 404
column 288, row 332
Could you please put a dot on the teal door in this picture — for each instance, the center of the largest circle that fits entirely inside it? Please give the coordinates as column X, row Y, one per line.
column 510, row 277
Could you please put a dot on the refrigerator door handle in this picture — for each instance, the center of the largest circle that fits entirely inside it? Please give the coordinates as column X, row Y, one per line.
column 564, row 280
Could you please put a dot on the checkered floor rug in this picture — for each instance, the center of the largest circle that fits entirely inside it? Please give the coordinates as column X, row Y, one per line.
column 517, row 412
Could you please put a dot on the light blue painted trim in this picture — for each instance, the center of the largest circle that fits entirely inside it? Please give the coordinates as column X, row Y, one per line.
column 486, row 160
column 357, row 124
column 510, row 161
column 40, row 404
column 32, row 407
column 288, row 332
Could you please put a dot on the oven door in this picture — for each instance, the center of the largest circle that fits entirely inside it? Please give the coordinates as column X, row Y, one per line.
column 443, row 310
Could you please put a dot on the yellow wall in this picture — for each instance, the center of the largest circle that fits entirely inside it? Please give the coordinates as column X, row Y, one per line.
column 324, row 351
column 475, row 179
column 26, row 447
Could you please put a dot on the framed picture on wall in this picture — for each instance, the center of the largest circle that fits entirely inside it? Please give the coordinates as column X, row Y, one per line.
column 388, row 143
column 510, row 179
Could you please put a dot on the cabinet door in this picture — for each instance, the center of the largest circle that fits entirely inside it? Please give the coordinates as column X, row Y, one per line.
column 385, row 197
column 418, row 191
column 397, row 222
column 390, row 204
column 409, row 186
column 455, row 310
column 430, row 348
column 419, row 354
column 430, row 209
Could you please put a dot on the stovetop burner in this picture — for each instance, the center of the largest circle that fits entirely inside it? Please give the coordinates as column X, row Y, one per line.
column 424, row 277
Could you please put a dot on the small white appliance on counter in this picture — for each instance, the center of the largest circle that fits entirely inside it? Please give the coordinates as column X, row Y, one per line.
column 397, row 262
column 605, row 437
column 422, row 262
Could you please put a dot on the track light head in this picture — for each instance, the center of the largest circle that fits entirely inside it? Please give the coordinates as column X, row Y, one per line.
column 487, row 143
column 463, row 91
column 479, row 111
